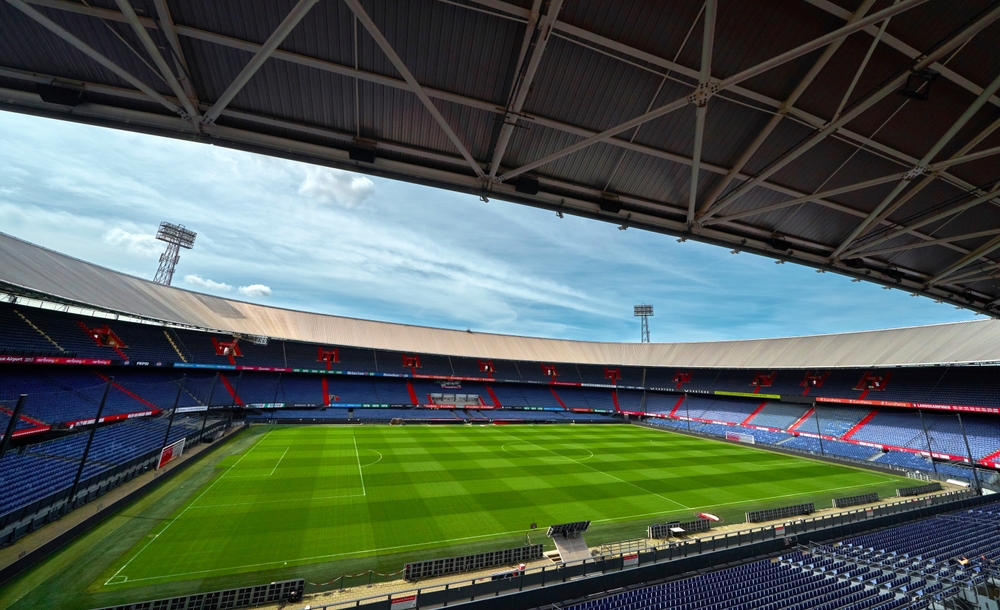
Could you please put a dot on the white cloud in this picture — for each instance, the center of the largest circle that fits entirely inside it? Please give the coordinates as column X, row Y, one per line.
column 200, row 282
column 328, row 185
column 135, row 243
column 255, row 290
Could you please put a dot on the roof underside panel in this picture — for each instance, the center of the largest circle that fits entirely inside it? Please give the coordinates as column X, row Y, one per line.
column 587, row 70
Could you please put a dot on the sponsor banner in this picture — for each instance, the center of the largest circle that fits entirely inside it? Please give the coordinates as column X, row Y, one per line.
column 632, row 559
column 403, row 602
column 779, row 530
column 869, row 513
column 265, row 405
column 51, row 360
column 748, row 395
column 910, row 405
column 814, row 435
column 144, row 363
column 111, row 418
column 194, row 365
column 191, row 409
column 265, row 369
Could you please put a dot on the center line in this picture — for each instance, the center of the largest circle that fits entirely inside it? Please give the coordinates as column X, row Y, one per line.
column 360, row 472
column 279, row 460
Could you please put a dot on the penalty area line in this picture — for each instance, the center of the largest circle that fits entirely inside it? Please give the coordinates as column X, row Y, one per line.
column 360, row 472
column 279, row 460
column 186, row 508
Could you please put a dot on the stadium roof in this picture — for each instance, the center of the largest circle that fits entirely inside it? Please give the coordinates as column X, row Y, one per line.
column 786, row 114
column 30, row 270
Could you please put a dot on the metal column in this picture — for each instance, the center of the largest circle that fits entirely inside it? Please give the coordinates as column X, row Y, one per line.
column 12, row 424
column 71, row 499
column 927, row 435
column 819, row 431
column 972, row 462
column 170, row 422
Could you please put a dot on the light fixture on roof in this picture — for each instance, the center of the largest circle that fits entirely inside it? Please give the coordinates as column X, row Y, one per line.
column 779, row 262
column 559, row 214
column 917, row 80
column 622, row 227
column 856, row 279
column 681, row 240
column 734, row 251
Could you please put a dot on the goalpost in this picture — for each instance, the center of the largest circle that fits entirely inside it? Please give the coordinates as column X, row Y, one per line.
column 170, row 452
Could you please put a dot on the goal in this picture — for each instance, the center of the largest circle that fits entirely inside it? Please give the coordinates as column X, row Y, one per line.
column 170, row 452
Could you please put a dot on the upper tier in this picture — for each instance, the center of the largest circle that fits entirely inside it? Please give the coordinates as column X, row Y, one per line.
column 29, row 269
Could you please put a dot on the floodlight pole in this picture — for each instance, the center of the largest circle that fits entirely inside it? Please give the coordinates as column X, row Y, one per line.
column 12, row 424
column 644, row 312
column 930, row 451
column 71, row 498
column 176, row 237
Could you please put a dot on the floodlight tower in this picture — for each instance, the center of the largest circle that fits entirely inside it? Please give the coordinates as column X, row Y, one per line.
column 645, row 312
column 177, row 237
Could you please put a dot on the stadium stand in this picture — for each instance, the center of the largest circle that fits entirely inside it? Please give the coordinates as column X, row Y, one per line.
column 39, row 476
column 778, row 415
column 910, row 566
column 833, row 421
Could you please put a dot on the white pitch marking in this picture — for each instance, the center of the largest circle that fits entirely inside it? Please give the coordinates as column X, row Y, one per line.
column 376, row 461
column 441, row 542
column 186, row 508
column 360, row 472
column 279, row 460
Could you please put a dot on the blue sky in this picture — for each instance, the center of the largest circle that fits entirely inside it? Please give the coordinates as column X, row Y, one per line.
column 293, row 235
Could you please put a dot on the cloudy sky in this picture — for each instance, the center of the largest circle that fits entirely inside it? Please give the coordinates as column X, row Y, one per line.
column 298, row 236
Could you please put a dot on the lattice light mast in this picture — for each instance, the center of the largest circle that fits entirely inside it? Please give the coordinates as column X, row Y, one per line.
column 176, row 237
column 645, row 312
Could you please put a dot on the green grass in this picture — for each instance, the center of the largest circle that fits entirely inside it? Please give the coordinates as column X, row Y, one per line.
column 319, row 501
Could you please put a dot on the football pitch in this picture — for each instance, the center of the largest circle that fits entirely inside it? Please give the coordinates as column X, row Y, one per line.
column 320, row 500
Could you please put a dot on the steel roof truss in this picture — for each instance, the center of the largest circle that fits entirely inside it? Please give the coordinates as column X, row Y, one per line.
column 161, row 64
column 735, row 79
column 920, row 168
column 383, row 44
column 539, row 29
column 92, row 53
column 702, row 95
column 266, row 50
column 707, row 209
column 873, row 98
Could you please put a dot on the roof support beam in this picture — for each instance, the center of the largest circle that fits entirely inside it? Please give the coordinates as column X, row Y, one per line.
column 894, row 43
column 932, row 242
column 166, row 24
column 707, row 209
column 932, row 175
column 935, row 169
column 920, row 168
column 929, row 220
column 92, row 53
column 276, row 38
column 979, row 252
column 872, row 99
column 538, row 29
column 702, row 95
column 161, row 64
column 383, row 44
column 778, row 60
